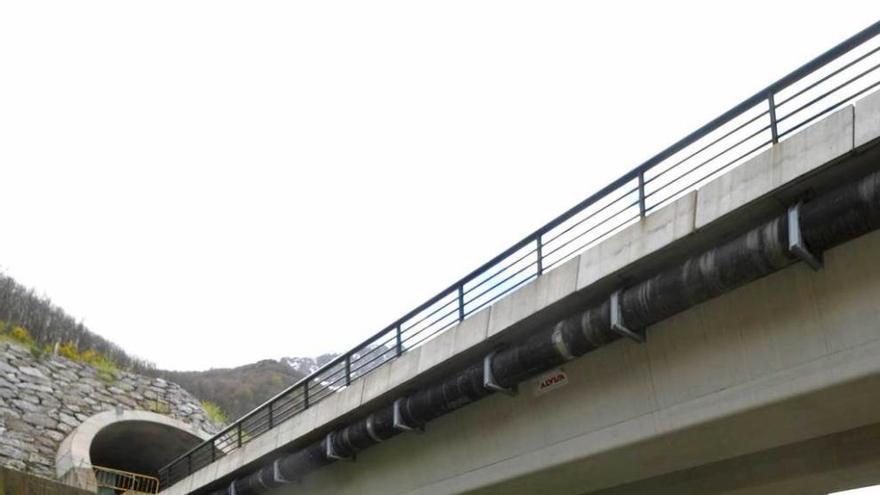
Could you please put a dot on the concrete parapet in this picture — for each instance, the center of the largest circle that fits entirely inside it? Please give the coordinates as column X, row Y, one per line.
column 793, row 158
column 867, row 115
column 655, row 232
column 534, row 297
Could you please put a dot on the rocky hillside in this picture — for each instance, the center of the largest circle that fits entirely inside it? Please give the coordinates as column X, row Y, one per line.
column 35, row 322
column 238, row 390
column 44, row 397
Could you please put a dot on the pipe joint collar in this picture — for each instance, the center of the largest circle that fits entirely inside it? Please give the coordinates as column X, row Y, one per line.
column 489, row 382
column 399, row 423
column 617, row 324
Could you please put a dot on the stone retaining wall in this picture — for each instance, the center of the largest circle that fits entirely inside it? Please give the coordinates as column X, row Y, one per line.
column 42, row 399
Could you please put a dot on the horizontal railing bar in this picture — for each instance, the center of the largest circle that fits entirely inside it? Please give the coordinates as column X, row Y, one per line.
column 598, row 237
column 413, row 335
column 504, row 280
column 406, row 336
column 722, row 168
column 828, row 93
column 499, row 296
column 435, row 332
column 829, row 76
column 786, row 81
column 379, row 355
column 432, row 313
column 490, row 277
column 364, row 363
column 594, row 227
column 589, row 217
column 713, row 143
column 706, row 162
column 830, row 108
column 365, row 366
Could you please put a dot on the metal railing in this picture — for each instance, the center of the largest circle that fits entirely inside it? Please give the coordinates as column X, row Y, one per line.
column 125, row 482
column 835, row 78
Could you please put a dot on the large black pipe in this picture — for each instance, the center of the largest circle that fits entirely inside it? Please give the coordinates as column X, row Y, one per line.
column 830, row 219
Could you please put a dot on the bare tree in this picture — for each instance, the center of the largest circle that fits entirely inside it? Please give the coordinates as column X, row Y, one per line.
column 48, row 324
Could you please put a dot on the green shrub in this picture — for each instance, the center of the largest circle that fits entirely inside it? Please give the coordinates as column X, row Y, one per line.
column 17, row 334
column 215, row 414
column 107, row 369
column 69, row 351
column 38, row 352
column 20, row 335
column 105, row 366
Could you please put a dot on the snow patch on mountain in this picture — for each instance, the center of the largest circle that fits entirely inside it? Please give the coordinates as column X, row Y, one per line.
column 307, row 365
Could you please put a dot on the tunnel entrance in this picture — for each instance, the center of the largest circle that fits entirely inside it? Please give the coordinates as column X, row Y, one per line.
column 121, row 451
column 139, row 446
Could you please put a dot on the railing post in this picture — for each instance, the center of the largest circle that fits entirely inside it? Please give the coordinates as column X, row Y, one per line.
column 399, row 340
column 213, row 450
column 271, row 414
column 347, row 370
column 461, row 302
column 189, row 464
column 306, row 394
column 642, row 207
column 540, row 249
column 774, row 131
column 238, row 428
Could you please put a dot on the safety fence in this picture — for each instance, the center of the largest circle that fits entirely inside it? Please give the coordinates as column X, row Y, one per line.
column 118, row 481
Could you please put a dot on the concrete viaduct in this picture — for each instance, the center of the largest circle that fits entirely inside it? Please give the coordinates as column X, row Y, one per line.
column 771, row 387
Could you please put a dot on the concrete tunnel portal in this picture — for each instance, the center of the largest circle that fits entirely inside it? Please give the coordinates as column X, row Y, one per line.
column 137, row 442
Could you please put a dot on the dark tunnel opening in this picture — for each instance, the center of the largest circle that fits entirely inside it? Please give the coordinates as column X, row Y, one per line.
column 139, row 446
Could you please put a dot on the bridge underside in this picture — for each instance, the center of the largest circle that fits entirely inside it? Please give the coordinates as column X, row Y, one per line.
column 771, row 387
column 836, row 462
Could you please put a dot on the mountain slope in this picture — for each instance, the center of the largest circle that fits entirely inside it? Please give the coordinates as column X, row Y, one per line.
column 238, row 390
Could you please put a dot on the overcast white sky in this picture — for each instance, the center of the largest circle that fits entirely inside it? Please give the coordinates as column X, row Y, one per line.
column 871, row 490
column 209, row 183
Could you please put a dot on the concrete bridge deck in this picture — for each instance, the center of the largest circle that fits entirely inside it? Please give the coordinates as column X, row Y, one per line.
column 782, row 362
